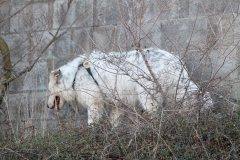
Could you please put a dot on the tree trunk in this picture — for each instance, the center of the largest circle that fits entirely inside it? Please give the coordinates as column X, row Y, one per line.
column 7, row 65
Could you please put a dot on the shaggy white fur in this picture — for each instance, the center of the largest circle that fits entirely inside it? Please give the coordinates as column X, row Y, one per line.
column 123, row 78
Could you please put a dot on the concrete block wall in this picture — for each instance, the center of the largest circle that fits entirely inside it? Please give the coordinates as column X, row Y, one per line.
column 186, row 28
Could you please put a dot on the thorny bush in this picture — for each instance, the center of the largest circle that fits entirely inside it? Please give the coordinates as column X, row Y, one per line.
column 170, row 136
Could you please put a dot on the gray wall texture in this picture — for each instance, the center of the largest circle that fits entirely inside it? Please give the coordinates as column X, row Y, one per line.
column 204, row 33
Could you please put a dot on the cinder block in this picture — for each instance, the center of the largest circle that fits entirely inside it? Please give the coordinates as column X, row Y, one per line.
column 221, row 31
column 237, row 31
column 23, row 1
column 78, row 15
column 60, row 48
column 31, row 18
column 213, row 7
column 150, row 34
column 19, row 46
column 225, row 72
column 177, row 35
column 81, row 41
column 111, row 38
column 199, row 66
column 107, row 12
column 71, row 44
column 36, row 79
column 4, row 15
column 43, row 46
column 224, row 61
column 18, row 83
column 166, row 10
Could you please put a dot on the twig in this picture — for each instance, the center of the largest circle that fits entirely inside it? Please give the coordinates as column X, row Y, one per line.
column 13, row 152
column 201, row 142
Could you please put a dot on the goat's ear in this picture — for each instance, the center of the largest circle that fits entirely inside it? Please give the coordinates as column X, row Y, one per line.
column 55, row 76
